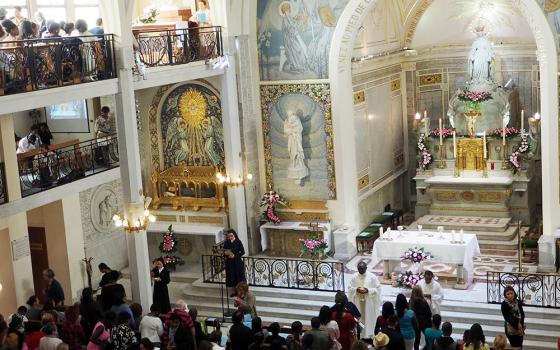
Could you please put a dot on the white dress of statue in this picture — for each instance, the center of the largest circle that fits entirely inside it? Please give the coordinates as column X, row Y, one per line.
column 293, row 129
column 369, row 303
column 481, row 62
column 436, row 294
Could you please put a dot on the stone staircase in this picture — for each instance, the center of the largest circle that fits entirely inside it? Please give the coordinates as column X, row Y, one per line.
column 286, row 306
column 492, row 233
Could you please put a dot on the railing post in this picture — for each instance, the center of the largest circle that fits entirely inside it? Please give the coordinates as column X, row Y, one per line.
column 219, row 47
column 169, row 47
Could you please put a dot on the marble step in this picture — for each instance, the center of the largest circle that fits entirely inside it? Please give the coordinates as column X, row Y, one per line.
column 467, row 223
column 498, row 245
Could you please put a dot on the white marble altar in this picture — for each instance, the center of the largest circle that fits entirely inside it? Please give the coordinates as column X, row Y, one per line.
column 439, row 245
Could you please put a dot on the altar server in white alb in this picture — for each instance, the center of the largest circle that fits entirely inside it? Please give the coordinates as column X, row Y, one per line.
column 432, row 292
column 364, row 290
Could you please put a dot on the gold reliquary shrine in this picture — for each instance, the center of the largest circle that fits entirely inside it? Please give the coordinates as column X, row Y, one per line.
column 470, row 155
column 187, row 187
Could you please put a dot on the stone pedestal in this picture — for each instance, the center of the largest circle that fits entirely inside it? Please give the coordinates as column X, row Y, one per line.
column 344, row 243
column 547, row 252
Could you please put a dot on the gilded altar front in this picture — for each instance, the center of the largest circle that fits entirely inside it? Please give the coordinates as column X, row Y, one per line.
column 470, row 155
column 283, row 239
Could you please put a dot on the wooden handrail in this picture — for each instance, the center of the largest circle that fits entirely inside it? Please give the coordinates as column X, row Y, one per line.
column 50, row 148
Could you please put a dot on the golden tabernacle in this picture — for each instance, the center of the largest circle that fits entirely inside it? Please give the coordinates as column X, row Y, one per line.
column 470, row 156
column 188, row 187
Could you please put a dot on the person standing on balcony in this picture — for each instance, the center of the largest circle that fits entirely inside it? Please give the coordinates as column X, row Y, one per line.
column 202, row 15
column 18, row 17
column 98, row 29
column 235, row 269
column 11, row 29
column 103, row 128
column 27, row 143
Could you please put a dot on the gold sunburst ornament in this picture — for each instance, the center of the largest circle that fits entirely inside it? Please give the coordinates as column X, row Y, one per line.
column 192, row 105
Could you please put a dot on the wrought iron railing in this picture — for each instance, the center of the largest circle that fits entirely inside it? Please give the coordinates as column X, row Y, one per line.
column 37, row 64
column 3, row 186
column 535, row 289
column 179, row 46
column 319, row 275
column 50, row 168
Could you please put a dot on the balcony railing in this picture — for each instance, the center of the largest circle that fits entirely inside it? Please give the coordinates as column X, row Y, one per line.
column 40, row 170
column 38, row 64
column 179, row 46
column 3, row 187
column 534, row 289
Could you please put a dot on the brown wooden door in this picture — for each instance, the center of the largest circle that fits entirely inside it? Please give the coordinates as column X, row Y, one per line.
column 39, row 259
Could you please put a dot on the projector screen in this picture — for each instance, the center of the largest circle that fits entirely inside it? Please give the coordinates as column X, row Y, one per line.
column 68, row 117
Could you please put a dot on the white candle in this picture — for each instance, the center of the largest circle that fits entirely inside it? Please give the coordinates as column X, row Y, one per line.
column 484, row 142
column 454, row 145
column 522, row 120
column 453, row 238
column 440, row 132
column 425, row 126
column 389, row 233
column 461, row 236
column 381, row 232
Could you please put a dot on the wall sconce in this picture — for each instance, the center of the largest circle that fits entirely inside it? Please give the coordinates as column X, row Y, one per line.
column 228, row 181
column 138, row 224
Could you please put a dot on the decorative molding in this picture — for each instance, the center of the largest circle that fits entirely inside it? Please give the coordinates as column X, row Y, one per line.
column 306, row 216
column 307, row 205
column 490, row 197
column 359, row 97
column 363, row 182
column 167, row 218
column 431, row 79
column 396, row 85
column 413, row 19
column 206, row 220
column 446, row 196
column 467, row 196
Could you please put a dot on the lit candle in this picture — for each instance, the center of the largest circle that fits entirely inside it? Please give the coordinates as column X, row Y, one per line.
column 440, row 132
column 484, row 142
column 425, row 125
column 381, row 232
column 537, row 116
column 454, row 145
column 522, row 120
column 453, row 238
column 461, row 236
column 504, row 134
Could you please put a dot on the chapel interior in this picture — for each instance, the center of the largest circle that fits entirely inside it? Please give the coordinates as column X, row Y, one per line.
column 369, row 126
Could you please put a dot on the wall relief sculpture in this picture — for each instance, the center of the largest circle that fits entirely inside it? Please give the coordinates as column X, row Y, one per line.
column 104, row 203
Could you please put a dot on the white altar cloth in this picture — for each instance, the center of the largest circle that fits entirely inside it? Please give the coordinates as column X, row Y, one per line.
column 294, row 225
column 441, row 249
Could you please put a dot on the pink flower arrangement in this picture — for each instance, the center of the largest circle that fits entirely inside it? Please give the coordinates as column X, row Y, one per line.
column 313, row 246
column 171, row 261
column 167, row 247
column 522, row 149
column 510, row 132
column 416, row 255
column 269, row 200
column 445, row 132
column 473, row 96
column 408, row 279
column 425, row 157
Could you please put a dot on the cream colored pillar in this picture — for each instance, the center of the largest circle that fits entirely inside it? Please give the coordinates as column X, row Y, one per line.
column 16, row 224
column 119, row 17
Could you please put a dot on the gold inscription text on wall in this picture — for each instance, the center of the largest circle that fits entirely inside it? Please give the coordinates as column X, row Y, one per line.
column 359, row 97
column 395, row 85
column 431, row 79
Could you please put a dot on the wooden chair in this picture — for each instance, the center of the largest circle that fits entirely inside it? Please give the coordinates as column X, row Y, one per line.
column 530, row 242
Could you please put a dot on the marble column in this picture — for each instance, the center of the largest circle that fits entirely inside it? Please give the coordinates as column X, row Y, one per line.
column 232, row 148
column 129, row 155
column 17, row 224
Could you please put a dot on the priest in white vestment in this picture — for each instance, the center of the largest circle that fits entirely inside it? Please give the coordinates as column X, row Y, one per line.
column 432, row 292
column 364, row 291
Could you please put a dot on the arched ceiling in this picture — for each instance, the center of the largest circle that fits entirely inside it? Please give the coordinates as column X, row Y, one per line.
column 418, row 24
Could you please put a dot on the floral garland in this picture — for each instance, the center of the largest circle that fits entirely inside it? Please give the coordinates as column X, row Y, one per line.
column 425, row 157
column 522, row 149
column 269, row 201
column 168, row 246
column 445, row 132
column 416, row 255
column 314, row 247
column 473, row 99
column 510, row 132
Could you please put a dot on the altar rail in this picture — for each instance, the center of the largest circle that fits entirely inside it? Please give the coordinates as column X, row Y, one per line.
column 269, row 272
column 38, row 64
column 42, row 169
column 535, row 289
column 3, row 186
column 178, row 46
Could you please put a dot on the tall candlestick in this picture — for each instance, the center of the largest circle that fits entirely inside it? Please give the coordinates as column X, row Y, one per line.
column 425, row 125
column 425, row 113
column 484, row 142
column 440, row 132
column 504, row 134
column 522, row 120
column 454, row 145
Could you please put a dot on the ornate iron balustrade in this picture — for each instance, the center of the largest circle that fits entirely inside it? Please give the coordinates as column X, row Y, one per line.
column 3, row 186
column 535, row 289
column 45, row 169
column 317, row 275
column 180, row 46
column 38, row 64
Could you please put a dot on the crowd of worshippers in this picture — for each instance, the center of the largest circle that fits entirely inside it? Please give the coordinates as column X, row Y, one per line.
column 20, row 28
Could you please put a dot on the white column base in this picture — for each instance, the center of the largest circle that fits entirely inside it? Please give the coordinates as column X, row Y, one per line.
column 344, row 248
column 547, row 253
column 139, row 265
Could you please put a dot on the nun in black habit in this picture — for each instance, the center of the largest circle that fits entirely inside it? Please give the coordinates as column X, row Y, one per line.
column 160, row 275
column 235, row 270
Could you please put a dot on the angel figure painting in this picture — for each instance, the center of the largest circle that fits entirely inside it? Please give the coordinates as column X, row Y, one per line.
column 297, row 126
column 294, row 37
column 551, row 9
column 191, row 127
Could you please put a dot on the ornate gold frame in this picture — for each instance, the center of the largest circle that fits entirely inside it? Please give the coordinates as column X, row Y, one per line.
column 318, row 92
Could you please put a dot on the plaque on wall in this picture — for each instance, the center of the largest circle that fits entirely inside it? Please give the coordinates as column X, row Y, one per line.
column 20, row 248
